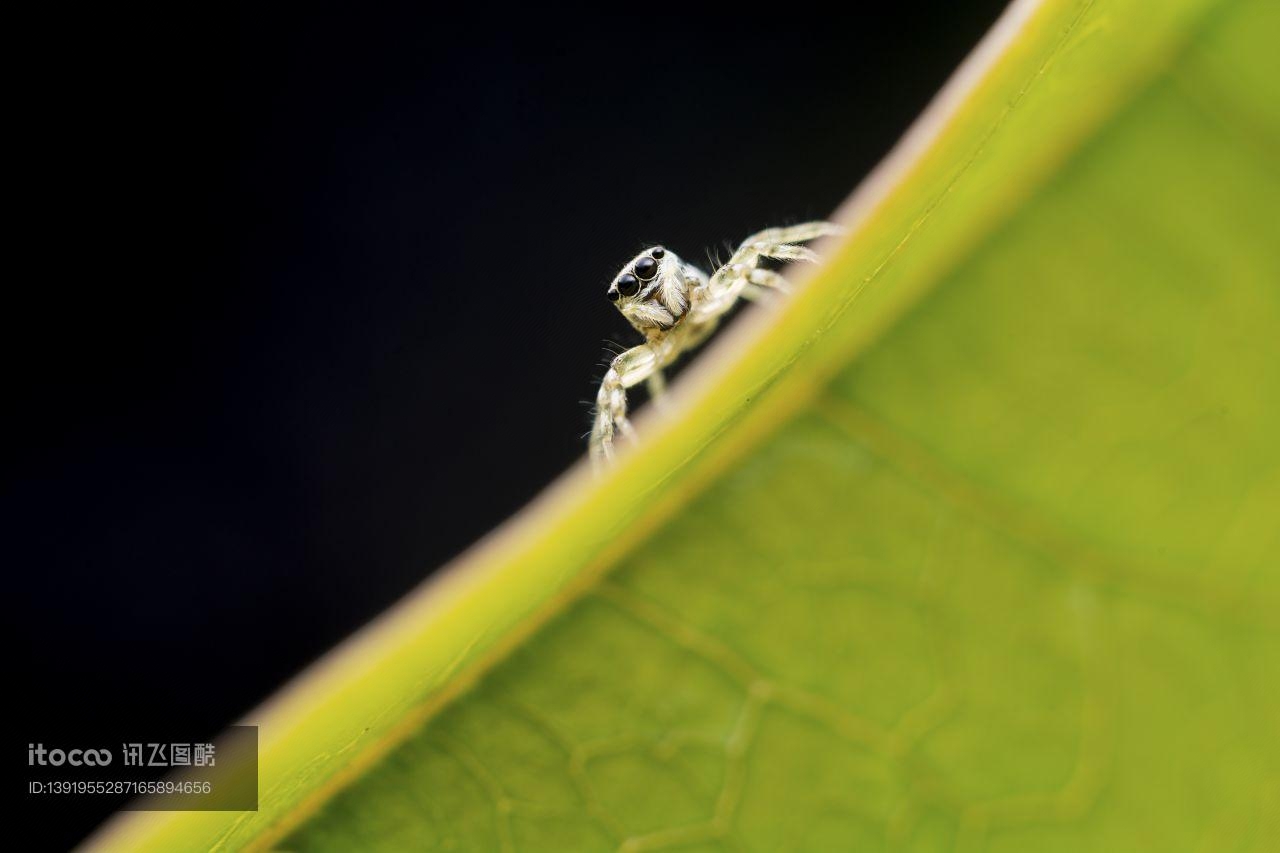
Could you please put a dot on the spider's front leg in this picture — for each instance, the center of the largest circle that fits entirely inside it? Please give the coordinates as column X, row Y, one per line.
column 742, row 275
column 777, row 242
column 657, row 385
column 631, row 368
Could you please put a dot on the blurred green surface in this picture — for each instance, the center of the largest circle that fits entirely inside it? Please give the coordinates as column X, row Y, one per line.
column 974, row 547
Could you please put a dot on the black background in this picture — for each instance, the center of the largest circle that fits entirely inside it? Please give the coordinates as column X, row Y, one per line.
column 308, row 302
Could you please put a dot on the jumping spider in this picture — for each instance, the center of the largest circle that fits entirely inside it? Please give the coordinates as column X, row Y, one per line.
column 676, row 306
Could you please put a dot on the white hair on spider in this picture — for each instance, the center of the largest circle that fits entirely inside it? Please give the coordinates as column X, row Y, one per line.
column 676, row 306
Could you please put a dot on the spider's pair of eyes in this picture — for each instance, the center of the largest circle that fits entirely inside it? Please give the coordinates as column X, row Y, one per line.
column 643, row 270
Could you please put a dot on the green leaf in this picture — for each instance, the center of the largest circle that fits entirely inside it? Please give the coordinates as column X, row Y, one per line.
column 972, row 543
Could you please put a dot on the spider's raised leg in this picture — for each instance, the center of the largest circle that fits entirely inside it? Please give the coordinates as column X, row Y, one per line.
column 764, row 285
column 631, row 368
column 771, row 238
column 657, row 386
column 742, row 272
column 779, row 243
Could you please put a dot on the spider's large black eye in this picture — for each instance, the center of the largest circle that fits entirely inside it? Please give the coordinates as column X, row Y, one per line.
column 628, row 285
column 646, row 268
column 657, row 252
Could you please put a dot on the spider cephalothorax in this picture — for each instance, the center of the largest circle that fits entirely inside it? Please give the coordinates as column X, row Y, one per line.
column 675, row 306
column 652, row 290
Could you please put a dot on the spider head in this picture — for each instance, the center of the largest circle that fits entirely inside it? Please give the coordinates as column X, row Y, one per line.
column 652, row 290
